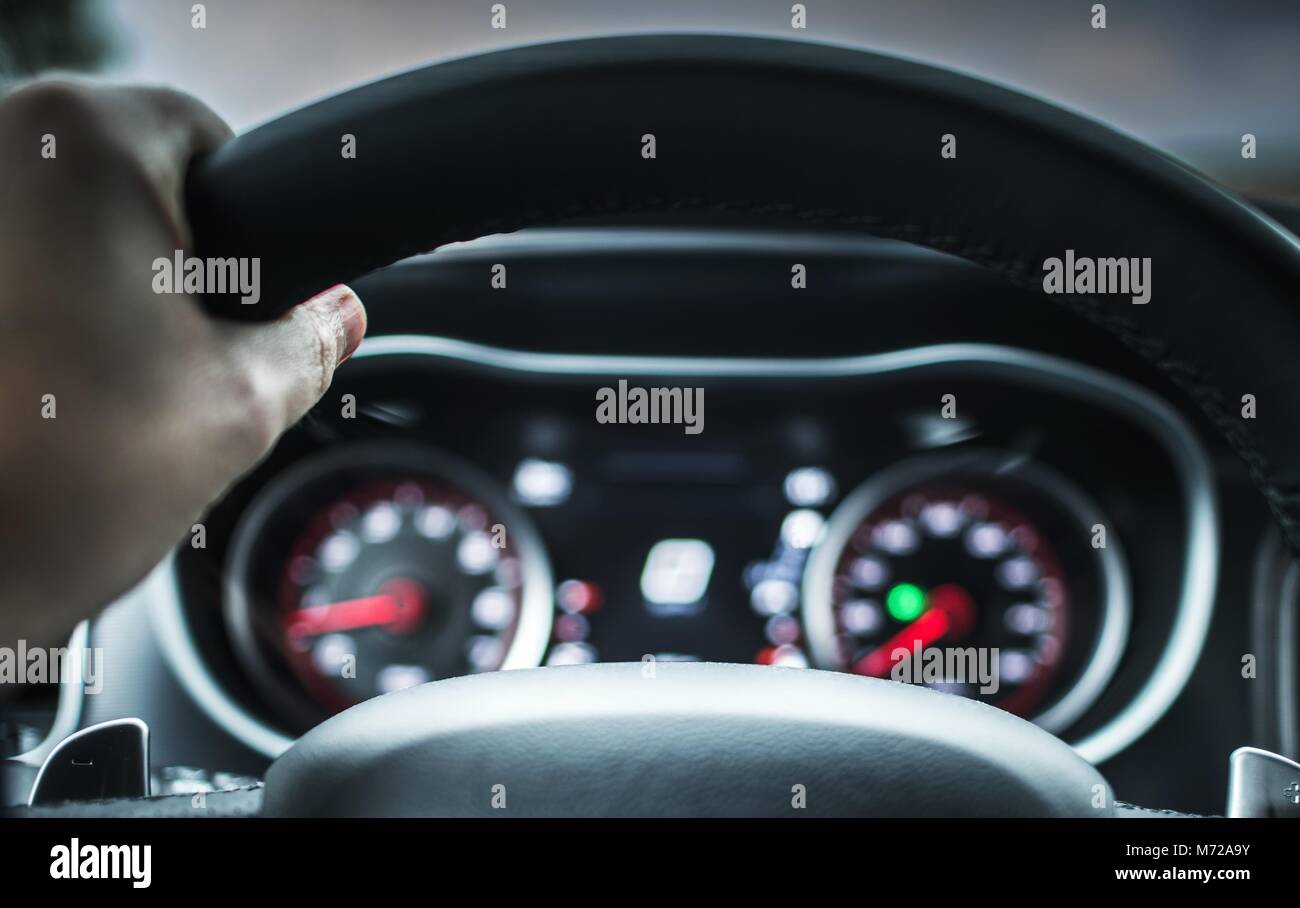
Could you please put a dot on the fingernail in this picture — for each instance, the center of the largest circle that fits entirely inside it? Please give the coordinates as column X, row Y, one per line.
column 354, row 322
column 351, row 315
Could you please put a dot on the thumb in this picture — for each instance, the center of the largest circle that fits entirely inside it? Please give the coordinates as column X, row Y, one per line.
column 294, row 357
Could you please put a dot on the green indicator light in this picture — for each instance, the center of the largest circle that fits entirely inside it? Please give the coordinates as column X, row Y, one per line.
column 905, row 601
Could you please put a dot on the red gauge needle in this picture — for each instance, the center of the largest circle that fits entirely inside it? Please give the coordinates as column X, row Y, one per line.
column 948, row 609
column 398, row 606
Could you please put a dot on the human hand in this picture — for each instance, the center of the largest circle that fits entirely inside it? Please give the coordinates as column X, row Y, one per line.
column 124, row 412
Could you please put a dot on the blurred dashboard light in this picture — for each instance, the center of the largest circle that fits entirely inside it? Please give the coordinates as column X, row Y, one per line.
column 571, row 628
column 542, row 483
column 782, row 630
column 784, row 656
column 774, row 597
column 801, row 528
column 578, row 597
column 400, row 677
column 571, row 654
column 809, row 487
column 676, row 573
column 930, row 431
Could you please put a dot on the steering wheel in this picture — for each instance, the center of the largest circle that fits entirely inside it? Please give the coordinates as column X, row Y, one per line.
column 810, row 134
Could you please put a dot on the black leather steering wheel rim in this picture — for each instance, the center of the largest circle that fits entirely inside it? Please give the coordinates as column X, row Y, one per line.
column 680, row 739
column 821, row 134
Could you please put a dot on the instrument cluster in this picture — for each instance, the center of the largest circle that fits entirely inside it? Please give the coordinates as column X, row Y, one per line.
column 930, row 519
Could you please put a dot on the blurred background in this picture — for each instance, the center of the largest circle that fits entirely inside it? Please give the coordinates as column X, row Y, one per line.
column 1189, row 76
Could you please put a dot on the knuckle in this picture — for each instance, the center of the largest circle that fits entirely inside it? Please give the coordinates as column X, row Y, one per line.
column 88, row 116
column 326, row 331
column 52, row 103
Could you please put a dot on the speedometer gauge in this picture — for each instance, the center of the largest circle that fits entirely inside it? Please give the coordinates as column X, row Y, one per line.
column 981, row 574
column 368, row 569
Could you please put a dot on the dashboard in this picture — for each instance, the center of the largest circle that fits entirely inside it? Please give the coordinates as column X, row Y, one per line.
column 649, row 447
column 453, row 508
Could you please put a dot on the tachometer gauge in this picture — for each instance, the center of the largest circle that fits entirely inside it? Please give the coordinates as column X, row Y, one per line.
column 368, row 569
column 981, row 574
